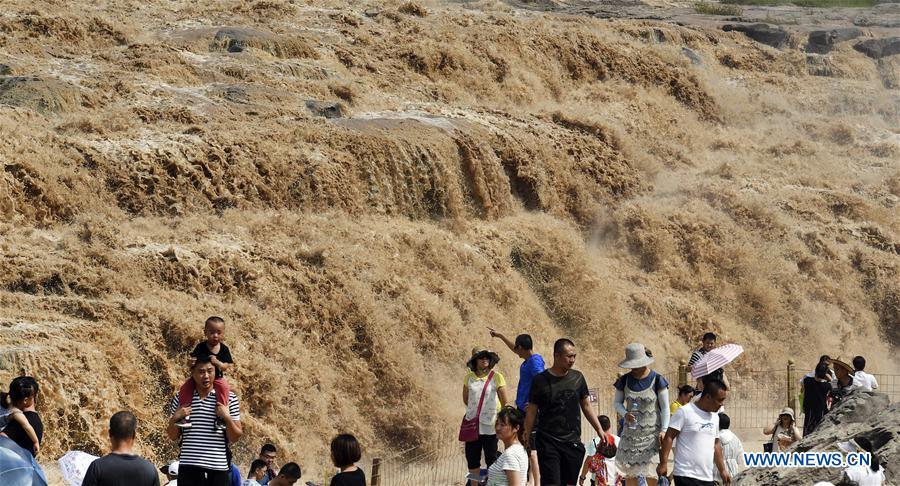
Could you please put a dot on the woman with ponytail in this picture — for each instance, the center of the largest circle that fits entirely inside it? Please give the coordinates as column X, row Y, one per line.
column 18, row 419
column 871, row 475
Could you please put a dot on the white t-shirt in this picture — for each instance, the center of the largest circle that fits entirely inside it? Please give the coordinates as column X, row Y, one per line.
column 591, row 448
column 491, row 404
column 865, row 381
column 865, row 476
column 698, row 431
column 513, row 459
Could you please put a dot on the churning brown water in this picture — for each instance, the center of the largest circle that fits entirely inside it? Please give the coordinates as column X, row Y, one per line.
column 482, row 166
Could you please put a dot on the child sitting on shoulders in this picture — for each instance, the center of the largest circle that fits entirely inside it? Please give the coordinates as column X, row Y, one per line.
column 220, row 357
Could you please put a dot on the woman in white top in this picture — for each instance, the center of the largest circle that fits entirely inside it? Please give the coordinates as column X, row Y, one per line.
column 732, row 449
column 482, row 379
column 871, row 475
column 511, row 468
column 784, row 432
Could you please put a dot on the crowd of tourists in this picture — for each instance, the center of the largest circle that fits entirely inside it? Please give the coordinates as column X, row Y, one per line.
column 204, row 419
column 540, row 428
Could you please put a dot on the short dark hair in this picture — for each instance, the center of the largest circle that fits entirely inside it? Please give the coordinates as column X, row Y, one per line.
column 821, row 370
column 859, row 363
column 122, row 425
column 345, row 450
column 202, row 359
column 290, row 470
column 724, row 421
column 256, row 465
column 267, row 448
column 712, row 387
column 685, row 389
column 513, row 417
column 560, row 344
column 604, row 422
column 213, row 320
column 524, row 341
column 824, row 358
column 709, row 336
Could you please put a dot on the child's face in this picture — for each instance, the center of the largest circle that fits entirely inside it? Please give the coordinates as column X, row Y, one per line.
column 214, row 332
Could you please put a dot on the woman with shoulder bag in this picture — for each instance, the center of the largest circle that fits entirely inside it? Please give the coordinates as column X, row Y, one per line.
column 484, row 392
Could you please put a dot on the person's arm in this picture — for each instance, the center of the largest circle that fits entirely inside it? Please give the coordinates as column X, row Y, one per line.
column 179, row 413
column 465, row 394
column 591, row 415
column 501, row 393
column 222, row 366
column 662, row 398
column 512, row 477
column 584, row 469
column 798, row 434
column 233, row 428
column 509, row 344
column 665, row 449
column 719, row 459
column 770, row 429
column 530, row 414
column 223, row 361
column 22, row 420
column 619, row 403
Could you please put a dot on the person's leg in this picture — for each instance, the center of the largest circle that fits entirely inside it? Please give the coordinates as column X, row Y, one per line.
column 534, row 469
column 186, row 393
column 220, row 385
column 489, row 445
column 572, row 459
column 190, row 474
column 473, row 458
column 549, row 462
column 219, row 478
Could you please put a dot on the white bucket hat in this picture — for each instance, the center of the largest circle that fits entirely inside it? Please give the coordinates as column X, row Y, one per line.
column 635, row 357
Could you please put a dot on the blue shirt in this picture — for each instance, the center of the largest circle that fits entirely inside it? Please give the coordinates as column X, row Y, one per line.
column 530, row 368
column 235, row 476
column 641, row 385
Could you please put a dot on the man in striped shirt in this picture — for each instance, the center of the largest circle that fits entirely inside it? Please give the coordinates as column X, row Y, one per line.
column 709, row 342
column 205, row 459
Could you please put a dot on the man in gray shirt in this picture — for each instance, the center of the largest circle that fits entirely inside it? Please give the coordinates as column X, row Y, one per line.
column 121, row 467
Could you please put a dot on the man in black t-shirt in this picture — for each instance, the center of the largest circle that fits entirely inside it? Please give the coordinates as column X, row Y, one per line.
column 121, row 467
column 557, row 399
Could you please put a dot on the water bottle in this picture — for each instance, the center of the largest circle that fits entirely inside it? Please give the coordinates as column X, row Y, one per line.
column 635, row 411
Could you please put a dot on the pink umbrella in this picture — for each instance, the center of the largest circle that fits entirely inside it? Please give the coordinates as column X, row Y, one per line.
column 715, row 359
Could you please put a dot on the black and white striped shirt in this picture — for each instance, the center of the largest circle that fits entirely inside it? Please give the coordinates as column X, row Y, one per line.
column 201, row 444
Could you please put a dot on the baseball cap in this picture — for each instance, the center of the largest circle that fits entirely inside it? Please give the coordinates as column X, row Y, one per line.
column 171, row 469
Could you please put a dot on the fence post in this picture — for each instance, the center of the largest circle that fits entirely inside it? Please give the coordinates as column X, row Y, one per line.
column 682, row 373
column 376, row 471
column 791, row 383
